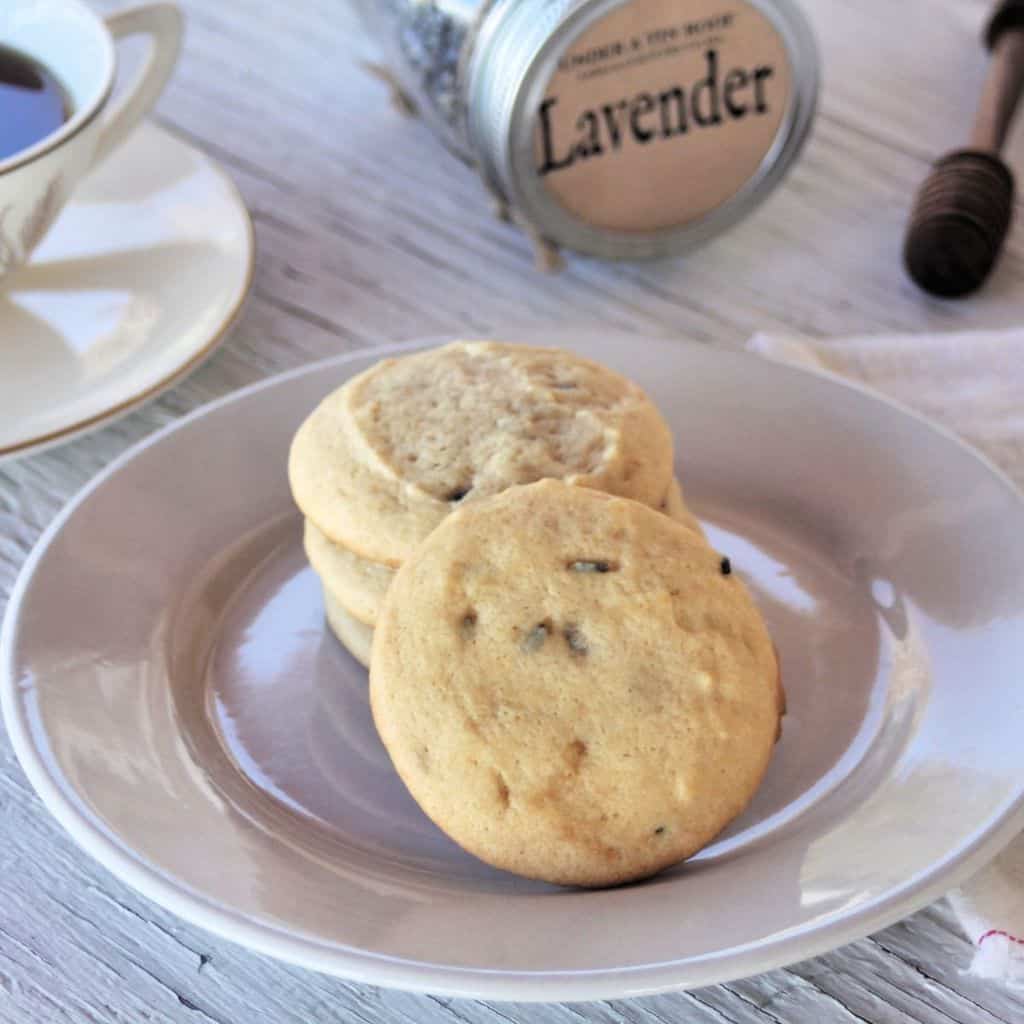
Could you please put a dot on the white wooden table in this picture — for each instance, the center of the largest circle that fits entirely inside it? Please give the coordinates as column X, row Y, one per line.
column 368, row 231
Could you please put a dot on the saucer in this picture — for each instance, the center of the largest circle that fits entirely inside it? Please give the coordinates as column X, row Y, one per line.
column 136, row 284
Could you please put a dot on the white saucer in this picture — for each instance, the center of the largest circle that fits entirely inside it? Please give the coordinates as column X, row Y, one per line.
column 134, row 286
column 202, row 734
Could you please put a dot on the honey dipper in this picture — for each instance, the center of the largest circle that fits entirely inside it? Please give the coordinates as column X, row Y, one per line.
column 963, row 210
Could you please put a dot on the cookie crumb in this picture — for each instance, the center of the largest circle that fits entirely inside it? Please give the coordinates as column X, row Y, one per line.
column 726, row 566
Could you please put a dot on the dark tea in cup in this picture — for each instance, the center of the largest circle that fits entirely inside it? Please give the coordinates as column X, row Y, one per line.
column 33, row 103
column 59, row 113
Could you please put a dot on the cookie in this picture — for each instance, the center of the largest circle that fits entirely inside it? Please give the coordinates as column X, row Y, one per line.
column 380, row 462
column 573, row 686
column 355, row 637
column 675, row 507
column 359, row 585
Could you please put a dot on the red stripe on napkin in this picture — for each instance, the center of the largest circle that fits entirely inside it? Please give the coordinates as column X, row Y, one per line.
column 1005, row 935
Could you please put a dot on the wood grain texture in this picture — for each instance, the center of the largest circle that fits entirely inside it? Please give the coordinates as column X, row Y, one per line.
column 368, row 231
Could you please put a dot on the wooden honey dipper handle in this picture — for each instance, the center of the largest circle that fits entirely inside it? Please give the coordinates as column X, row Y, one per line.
column 963, row 210
column 1005, row 39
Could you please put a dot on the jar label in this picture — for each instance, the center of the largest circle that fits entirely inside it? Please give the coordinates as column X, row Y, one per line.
column 661, row 111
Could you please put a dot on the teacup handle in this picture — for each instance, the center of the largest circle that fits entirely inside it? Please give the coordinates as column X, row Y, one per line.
column 163, row 23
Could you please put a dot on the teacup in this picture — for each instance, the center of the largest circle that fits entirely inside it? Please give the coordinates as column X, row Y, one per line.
column 77, row 47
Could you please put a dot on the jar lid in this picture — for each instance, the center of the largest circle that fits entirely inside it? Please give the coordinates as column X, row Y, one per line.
column 630, row 129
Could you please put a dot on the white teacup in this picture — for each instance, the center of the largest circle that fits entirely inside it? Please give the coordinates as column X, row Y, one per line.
column 77, row 46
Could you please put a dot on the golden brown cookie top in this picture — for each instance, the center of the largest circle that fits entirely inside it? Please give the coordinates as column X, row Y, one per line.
column 384, row 459
column 572, row 687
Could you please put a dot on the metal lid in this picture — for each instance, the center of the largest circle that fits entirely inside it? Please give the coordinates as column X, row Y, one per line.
column 630, row 129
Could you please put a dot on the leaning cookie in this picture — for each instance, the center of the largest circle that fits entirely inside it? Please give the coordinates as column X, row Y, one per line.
column 675, row 507
column 380, row 462
column 572, row 686
column 359, row 585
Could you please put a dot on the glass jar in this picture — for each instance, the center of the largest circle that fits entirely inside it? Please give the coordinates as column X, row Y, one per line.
column 624, row 129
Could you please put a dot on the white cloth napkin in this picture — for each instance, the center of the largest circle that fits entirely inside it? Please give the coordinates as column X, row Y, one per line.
column 973, row 383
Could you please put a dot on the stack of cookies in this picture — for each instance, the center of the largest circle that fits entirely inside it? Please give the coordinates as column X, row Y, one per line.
column 569, row 680
column 384, row 459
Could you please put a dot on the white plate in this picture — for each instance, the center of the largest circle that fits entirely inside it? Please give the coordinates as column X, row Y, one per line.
column 174, row 697
column 134, row 286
